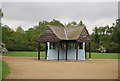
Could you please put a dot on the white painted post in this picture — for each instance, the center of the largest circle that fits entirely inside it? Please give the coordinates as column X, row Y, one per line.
column 48, row 43
column 83, row 45
column 84, row 49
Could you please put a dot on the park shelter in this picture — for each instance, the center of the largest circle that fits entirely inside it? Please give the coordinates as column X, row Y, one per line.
column 67, row 43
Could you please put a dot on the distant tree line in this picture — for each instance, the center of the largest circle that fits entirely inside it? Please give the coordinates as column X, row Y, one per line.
column 20, row 40
column 107, row 36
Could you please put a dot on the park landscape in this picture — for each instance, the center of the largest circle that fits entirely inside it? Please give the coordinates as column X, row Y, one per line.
column 17, row 62
column 20, row 61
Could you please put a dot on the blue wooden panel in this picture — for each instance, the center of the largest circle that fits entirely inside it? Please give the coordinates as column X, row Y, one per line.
column 81, row 54
column 53, row 54
column 71, row 54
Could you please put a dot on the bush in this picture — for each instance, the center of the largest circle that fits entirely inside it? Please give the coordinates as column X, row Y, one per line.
column 94, row 47
column 111, row 47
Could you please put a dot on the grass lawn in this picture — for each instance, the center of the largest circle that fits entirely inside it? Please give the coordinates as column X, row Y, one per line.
column 23, row 54
column 34, row 54
column 4, row 70
column 105, row 55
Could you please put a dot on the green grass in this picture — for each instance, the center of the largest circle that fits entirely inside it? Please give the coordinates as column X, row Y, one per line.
column 23, row 54
column 104, row 55
column 0, row 70
column 4, row 69
column 35, row 54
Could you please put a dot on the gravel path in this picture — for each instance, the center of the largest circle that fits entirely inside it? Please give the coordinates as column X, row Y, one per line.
column 31, row 68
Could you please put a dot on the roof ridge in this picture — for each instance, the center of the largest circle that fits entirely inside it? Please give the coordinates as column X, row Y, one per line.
column 51, row 27
column 65, row 34
column 55, row 26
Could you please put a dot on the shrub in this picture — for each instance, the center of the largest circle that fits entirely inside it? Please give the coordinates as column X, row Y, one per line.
column 111, row 47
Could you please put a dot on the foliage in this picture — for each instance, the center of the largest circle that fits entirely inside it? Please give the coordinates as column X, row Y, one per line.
column 107, row 36
column 1, row 13
column 74, row 24
column 111, row 47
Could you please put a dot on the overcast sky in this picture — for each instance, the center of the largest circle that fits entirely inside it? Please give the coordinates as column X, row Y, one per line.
column 28, row 14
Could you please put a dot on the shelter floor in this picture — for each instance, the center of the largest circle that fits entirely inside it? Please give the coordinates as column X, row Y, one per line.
column 31, row 68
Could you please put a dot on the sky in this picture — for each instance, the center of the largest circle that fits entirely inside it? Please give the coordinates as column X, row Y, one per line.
column 28, row 14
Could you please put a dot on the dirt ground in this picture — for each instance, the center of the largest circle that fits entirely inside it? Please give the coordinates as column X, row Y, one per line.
column 31, row 68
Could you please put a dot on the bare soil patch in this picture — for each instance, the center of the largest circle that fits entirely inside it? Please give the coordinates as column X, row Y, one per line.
column 31, row 68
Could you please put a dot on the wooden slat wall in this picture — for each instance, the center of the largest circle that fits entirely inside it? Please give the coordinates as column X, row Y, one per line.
column 48, row 35
column 84, row 36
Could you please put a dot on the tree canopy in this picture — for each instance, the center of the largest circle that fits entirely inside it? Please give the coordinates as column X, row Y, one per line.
column 107, row 37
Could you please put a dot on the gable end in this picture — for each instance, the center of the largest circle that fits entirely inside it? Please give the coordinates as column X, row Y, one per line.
column 48, row 36
column 84, row 36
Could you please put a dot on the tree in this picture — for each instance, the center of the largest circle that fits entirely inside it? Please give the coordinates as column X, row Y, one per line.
column 7, row 34
column 19, row 35
column 1, row 13
column 111, row 47
column 95, row 36
column 72, row 24
column 8, row 37
column 107, row 37
column 81, row 23
column 75, row 24
column 19, row 30
column 1, row 16
column 116, row 32
column 56, row 23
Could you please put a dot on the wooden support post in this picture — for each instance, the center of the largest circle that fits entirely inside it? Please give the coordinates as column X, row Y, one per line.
column 89, row 50
column 38, row 51
column 66, row 49
column 58, row 50
column 85, row 50
column 76, row 50
column 46, row 51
